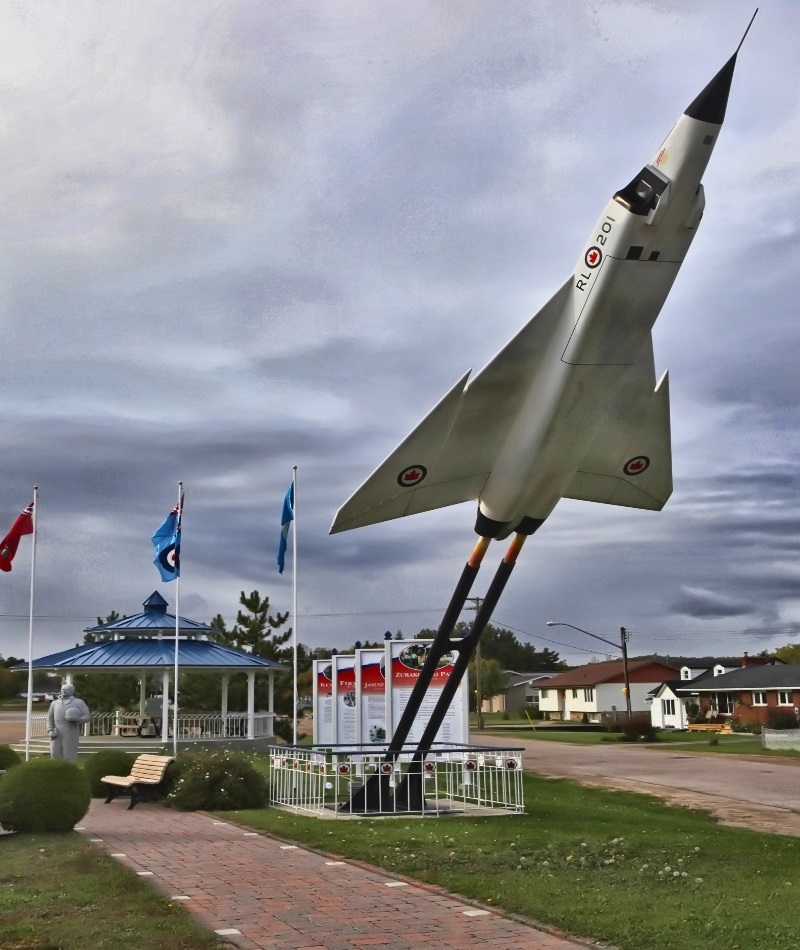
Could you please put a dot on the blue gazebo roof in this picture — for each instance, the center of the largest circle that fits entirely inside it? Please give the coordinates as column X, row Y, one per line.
column 153, row 620
column 133, row 654
column 147, row 641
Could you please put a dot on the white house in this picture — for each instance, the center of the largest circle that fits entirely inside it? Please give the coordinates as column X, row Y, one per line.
column 598, row 688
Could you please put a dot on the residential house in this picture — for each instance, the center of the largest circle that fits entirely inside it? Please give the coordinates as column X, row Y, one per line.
column 522, row 689
column 598, row 688
column 750, row 694
column 668, row 707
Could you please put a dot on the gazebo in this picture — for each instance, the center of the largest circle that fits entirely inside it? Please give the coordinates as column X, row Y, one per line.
column 144, row 644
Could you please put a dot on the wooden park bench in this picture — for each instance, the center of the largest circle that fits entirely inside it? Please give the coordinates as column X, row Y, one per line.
column 146, row 775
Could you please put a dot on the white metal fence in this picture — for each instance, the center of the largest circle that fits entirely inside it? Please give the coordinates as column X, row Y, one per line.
column 454, row 779
column 784, row 740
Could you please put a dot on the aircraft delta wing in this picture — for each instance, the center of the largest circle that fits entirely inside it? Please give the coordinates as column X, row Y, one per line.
column 450, row 454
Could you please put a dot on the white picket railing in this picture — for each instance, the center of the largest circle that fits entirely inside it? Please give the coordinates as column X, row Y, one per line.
column 190, row 726
column 455, row 779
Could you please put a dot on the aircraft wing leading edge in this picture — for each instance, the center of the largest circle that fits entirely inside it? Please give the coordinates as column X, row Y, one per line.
column 448, row 457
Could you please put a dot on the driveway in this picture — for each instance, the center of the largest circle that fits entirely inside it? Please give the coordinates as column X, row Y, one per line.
column 750, row 792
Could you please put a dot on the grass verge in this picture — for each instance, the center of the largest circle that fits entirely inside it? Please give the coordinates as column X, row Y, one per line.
column 612, row 866
column 57, row 891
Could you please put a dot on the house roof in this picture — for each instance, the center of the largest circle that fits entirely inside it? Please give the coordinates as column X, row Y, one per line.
column 611, row 671
column 518, row 679
column 701, row 662
column 153, row 620
column 783, row 676
column 136, row 654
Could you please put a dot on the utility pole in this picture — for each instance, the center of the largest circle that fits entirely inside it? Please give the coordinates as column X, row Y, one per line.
column 476, row 602
column 623, row 636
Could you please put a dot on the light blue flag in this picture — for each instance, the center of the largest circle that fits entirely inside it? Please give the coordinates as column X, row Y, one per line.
column 287, row 517
column 167, row 541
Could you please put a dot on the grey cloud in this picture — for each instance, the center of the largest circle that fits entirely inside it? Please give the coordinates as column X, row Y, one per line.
column 697, row 602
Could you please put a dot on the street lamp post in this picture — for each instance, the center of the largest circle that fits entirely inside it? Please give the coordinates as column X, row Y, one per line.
column 623, row 637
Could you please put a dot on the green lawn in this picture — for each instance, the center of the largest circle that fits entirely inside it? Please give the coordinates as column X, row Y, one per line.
column 58, row 891
column 612, row 866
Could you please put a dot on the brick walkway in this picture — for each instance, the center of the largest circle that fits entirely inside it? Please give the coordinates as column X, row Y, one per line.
column 257, row 891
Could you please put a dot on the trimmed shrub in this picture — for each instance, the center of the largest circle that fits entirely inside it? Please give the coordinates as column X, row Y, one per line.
column 8, row 757
column 44, row 795
column 781, row 718
column 638, row 726
column 215, row 781
column 283, row 729
column 107, row 762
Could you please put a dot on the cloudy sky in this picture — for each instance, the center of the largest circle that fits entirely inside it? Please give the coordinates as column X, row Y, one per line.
column 238, row 237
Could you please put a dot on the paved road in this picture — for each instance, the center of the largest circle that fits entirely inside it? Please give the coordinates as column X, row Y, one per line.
column 757, row 792
column 256, row 891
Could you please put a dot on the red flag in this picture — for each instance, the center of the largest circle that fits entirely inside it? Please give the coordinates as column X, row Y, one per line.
column 10, row 543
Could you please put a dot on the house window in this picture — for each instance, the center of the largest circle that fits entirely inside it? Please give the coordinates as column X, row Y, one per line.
column 686, row 673
column 759, row 699
column 724, row 703
column 532, row 699
column 543, row 693
column 574, row 694
column 784, row 698
column 668, row 707
column 588, row 695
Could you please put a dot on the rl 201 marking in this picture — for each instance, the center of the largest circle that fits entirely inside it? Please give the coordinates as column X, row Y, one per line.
column 594, row 255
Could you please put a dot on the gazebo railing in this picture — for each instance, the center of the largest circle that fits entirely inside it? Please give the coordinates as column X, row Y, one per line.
column 190, row 725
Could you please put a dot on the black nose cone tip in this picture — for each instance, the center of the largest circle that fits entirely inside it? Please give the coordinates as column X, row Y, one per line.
column 710, row 105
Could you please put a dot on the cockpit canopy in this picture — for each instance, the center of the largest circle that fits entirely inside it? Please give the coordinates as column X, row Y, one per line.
column 642, row 195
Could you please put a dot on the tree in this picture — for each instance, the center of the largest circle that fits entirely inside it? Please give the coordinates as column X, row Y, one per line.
column 8, row 683
column 789, row 653
column 493, row 681
column 500, row 644
column 256, row 632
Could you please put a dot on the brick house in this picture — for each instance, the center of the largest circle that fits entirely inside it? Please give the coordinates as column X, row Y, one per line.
column 598, row 688
column 668, row 709
column 749, row 694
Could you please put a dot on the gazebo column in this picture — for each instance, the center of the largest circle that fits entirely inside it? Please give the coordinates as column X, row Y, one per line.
column 251, row 704
column 271, row 703
column 68, row 679
column 224, row 703
column 165, row 707
column 142, row 690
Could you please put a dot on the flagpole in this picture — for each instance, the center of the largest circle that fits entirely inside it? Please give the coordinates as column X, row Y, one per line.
column 294, row 603
column 177, row 624
column 29, row 703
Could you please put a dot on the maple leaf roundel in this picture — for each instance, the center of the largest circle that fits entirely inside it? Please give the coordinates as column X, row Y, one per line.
column 411, row 476
column 593, row 257
column 636, row 465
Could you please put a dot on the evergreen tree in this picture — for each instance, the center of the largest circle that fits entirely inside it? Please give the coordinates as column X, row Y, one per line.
column 256, row 632
column 256, row 629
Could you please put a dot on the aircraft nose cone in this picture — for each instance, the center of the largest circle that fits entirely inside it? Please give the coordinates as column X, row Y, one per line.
column 710, row 105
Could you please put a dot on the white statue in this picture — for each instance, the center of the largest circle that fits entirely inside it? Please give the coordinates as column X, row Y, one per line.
column 64, row 720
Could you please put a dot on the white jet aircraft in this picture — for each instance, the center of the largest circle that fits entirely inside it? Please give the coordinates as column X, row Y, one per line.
column 570, row 408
